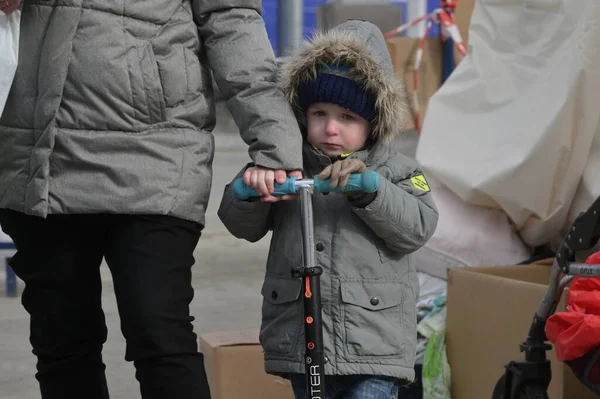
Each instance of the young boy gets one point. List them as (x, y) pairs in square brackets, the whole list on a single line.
[(349, 106)]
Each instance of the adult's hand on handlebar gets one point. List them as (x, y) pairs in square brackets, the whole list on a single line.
[(287, 197), (263, 180), (8, 6)]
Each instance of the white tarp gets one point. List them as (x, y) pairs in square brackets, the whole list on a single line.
[(468, 235), (513, 125)]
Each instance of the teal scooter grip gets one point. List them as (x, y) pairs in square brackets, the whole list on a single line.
[(243, 192), (367, 182)]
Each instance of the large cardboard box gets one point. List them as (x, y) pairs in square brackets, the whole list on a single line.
[(235, 368), (403, 51), (385, 16), (490, 310), (462, 17)]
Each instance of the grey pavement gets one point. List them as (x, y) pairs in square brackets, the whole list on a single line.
[(227, 279)]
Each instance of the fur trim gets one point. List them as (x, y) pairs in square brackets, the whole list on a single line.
[(340, 47)]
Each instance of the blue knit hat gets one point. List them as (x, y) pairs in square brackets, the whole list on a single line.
[(333, 85)]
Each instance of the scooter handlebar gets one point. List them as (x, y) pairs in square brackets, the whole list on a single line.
[(367, 182)]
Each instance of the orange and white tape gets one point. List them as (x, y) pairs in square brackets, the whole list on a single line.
[(443, 16)]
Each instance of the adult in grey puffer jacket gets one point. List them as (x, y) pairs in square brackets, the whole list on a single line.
[(364, 242), (106, 151)]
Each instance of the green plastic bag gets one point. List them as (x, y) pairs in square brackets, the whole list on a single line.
[(436, 370)]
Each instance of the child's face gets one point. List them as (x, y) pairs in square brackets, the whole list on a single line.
[(336, 130)]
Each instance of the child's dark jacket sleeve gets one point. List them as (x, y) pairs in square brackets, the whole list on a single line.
[(403, 213), (250, 220)]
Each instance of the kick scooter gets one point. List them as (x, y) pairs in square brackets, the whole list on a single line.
[(313, 328)]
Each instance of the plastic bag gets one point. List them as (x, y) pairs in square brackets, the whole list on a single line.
[(436, 374), (9, 52), (436, 370)]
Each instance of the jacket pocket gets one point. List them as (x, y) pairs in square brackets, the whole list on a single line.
[(281, 314), (146, 88), (372, 318)]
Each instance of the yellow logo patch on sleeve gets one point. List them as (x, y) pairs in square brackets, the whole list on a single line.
[(420, 183)]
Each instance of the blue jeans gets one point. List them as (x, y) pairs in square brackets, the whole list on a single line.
[(350, 387)]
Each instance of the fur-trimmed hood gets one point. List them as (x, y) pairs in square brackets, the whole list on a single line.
[(360, 46)]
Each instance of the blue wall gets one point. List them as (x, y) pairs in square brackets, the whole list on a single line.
[(269, 10), (310, 16), (270, 17)]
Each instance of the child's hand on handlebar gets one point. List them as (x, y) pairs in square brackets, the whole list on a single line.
[(263, 180), (340, 171)]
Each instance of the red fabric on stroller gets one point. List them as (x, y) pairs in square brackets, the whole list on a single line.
[(576, 331)]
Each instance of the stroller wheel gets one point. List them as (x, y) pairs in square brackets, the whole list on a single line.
[(532, 392), (499, 388)]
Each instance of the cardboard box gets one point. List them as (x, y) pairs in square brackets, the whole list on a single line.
[(402, 51), (462, 17), (490, 310), (235, 367), (385, 16)]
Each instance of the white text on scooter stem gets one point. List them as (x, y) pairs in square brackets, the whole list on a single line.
[(315, 381)]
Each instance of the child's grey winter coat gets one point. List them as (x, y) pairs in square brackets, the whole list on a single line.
[(370, 287)]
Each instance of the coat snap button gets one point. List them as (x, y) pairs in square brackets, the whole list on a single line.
[(320, 247), (274, 295), (374, 301)]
